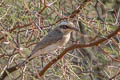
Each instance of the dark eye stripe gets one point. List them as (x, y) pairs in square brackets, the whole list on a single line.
[(64, 26)]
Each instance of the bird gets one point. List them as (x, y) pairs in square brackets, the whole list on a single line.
[(57, 38)]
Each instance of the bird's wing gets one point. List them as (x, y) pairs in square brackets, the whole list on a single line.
[(51, 38)]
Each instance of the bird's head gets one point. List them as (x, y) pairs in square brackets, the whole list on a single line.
[(67, 27)]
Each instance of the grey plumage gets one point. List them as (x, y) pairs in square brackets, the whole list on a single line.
[(53, 37)]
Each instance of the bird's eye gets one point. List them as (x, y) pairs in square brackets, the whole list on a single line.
[(64, 27)]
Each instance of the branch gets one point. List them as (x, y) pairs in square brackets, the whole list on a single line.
[(99, 16), (15, 27), (118, 73), (75, 46), (74, 13)]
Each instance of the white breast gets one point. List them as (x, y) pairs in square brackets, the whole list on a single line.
[(66, 39)]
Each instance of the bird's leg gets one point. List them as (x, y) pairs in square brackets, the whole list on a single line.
[(42, 59)]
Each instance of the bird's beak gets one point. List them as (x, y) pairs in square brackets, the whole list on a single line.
[(75, 29)]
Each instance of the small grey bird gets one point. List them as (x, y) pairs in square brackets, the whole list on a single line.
[(55, 39)]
